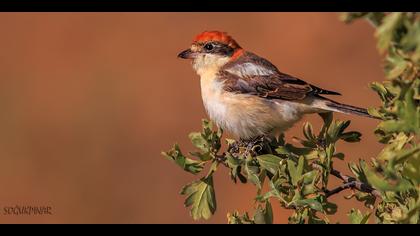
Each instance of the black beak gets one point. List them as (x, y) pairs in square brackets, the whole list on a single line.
[(187, 54)]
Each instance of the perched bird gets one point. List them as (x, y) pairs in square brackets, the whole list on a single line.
[(247, 95)]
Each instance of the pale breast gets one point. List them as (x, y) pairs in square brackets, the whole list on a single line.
[(246, 116)]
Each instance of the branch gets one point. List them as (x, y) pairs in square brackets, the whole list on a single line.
[(329, 193), (349, 182)]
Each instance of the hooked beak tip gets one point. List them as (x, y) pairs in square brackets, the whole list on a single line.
[(186, 54)]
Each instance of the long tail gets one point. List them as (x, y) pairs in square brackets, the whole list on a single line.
[(331, 105)]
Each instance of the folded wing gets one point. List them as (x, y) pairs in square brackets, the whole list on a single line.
[(251, 74)]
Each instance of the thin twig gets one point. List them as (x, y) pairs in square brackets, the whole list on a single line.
[(221, 159), (340, 188), (350, 182)]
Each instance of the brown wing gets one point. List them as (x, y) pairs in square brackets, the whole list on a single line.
[(254, 75)]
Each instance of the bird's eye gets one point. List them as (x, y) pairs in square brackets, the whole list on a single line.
[(209, 47)]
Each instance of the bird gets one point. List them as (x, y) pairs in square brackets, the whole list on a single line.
[(247, 95)]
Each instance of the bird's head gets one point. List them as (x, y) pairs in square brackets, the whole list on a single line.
[(211, 50)]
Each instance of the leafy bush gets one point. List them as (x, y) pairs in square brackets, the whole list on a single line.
[(297, 176)]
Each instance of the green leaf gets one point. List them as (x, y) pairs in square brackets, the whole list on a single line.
[(395, 145), (269, 162), (375, 112), (349, 17), (351, 137), (411, 41), (312, 203), (212, 168), (269, 217), (309, 177), (329, 207), (409, 116), (252, 174), (329, 151), (367, 199), (259, 216), (358, 171), (199, 141), (412, 167), (336, 129), (209, 140), (380, 89), (289, 150), (206, 156), (406, 154), (308, 131), (398, 69), (207, 126), (382, 184), (264, 216), (189, 165), (235, 165), (356, 217), (296, 171), (385, 32), (339, 155), (236, 218), (233, 161), (201, 197), (327, 118)]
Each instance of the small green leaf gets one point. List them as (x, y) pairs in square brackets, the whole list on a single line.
[(358, 171), (189, 165), (296, 171), (312, 203), (336, 129), (268, 213), (207, 125), (235, 218), (375, 112), (264, 216), (329, 151), (367, 199), (206, 156), (308, 131), (349, 17), (199, 141), (356, 217), (398, 69), (351, 137), (412, 167), (201, 198), (327, 118), (213, 168), (269, 162), (381, 184), (381, 90), (385, 32), (339, 155), (252, 174)]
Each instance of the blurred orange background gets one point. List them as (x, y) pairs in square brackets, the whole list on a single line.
[(89, 100)]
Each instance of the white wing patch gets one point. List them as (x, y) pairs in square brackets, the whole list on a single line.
[(249, 69)]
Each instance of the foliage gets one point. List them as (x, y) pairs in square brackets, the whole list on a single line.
[(297, 176)]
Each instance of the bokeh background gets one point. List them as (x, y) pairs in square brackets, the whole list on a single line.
[(89, 100)]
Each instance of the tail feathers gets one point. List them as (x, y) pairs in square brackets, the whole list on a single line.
[(331, 105)]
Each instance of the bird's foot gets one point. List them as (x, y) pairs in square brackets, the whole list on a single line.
[(253, 146)]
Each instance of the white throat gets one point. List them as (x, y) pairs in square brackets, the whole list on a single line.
[(209, 63)]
